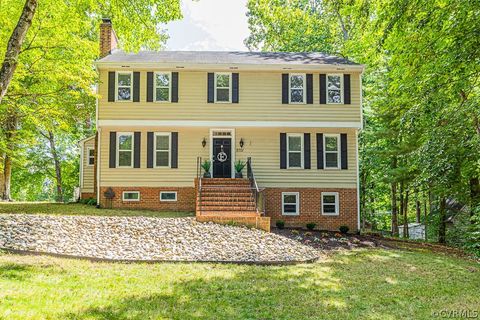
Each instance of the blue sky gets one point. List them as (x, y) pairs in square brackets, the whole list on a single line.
[(209, 25)]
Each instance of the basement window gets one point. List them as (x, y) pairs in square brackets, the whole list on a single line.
[(290, 203), (131, 196), (330, 205), (168, 196)]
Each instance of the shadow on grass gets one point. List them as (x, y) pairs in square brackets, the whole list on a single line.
[(17, 272)]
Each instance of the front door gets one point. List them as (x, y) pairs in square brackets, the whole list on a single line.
[(222, 157)]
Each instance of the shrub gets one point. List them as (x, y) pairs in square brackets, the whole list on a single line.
[(344, 229), (92, 202), (311, 226), (280, 224)]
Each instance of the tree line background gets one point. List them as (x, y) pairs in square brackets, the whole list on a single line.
[(419, 149)]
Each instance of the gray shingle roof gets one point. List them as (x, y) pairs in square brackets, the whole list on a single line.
[(225, 57)]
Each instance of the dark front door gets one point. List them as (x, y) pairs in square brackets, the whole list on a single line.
[(222, 157)]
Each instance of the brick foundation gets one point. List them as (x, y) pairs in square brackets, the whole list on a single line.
[(150, 198), (310, 208), (87, 195)]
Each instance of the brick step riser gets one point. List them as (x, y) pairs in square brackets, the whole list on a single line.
[(227, 200), (228, 208), (226, 195)]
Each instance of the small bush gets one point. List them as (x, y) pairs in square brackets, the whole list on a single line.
[(344, 229), (280, 224), (311, 226)]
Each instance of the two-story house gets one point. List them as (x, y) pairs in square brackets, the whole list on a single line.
[(294, 117)]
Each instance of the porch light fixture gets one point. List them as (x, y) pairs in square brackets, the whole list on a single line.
[(204, 142), (241, 142)]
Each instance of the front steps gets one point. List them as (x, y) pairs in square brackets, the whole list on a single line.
[(229, 201)]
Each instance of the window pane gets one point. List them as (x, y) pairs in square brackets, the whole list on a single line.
[(131, 196), (296, 95), (91, 152), (223, 94), (289, 208), (331, 160), (294, 159), (294, 143), (125, 142), (290, 198), (163, 142), (162, 159), (91, 160), (162, 94), (329, 199), (223, 80), (329, 208), (333, 82), (125, 158), (123, 94), (124, 80), (331, 144), (296, 81), (168, 196), (162, 80), (334, 96)]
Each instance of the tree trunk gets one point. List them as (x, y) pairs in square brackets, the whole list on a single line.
[(425, 212), (394, 203), (402, 203), (474, 196), (14, 45), (7, 178), (405, 216), (418, 210), (10, 128), (58, 171), (442, 228)]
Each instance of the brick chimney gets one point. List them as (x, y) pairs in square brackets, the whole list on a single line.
[(108, 38)]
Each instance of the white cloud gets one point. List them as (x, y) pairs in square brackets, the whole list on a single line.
[(209, 25)]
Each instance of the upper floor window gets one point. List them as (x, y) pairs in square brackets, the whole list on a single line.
[(297, 89), (223, 87), (162, 149), (334, 88), (162, 86), (294, 150), (91, 156), (332, 151), (124, 86), (125, 149)]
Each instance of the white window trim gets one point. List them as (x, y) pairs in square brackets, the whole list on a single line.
[(169, 86), (229, 86), (131, 85), (304, 75), (172, 200), (118, 149), (297, 204), (130, 200), (169, 134), (88, 156), (301, 150), (325, 136), (341, 88), (337, 206)]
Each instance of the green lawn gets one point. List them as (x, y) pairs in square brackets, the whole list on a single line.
[(366, 284), (81, 209)]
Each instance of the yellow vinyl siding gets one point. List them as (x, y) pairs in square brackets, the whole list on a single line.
[(262, 144), (87, 170), (260, 95)]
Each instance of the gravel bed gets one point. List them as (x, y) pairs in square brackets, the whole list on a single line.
[(146, 238)]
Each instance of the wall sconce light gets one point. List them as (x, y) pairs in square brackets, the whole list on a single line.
[(204, 142), (241, 142)]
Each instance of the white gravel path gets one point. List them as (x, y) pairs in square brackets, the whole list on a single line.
[(145, 238)]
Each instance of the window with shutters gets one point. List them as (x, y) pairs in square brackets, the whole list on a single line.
[(125, 149), (334, 88), (91, 156), (124, 85), (296, 88), (168, 196), (290, 203), (131, 195), (162, 152), (223, 87), (330, 206), (331, 151), (163, 86), (294, 150)]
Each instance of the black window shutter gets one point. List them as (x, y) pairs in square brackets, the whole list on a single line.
[(306, 151), (111, 86), (235, 89), (343, 149), (174, 163), (136, 86), (319, 150), (112, 163), (149, 149), (210, 84), (149, 86), (323, 88), (283, 151), (285, 88), (174, 86), (136, 149), (346, 89), (310, 88)]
